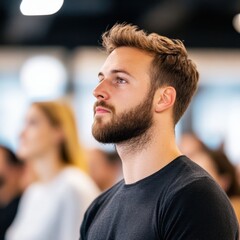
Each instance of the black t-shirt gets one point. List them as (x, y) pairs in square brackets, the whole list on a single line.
[(179, 202), (7, 215)]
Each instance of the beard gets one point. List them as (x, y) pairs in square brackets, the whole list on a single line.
[(129, 125)]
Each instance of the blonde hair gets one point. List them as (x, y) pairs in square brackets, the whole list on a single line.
[(170, 65), (61, 115)]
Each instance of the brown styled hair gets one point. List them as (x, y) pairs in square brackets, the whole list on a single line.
[(60, 115), (170, 66)]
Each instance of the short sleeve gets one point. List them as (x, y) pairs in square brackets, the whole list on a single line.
[(200, 210)]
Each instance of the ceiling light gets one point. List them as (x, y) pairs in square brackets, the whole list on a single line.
[(43, 77), (40, 7), (236, 22)]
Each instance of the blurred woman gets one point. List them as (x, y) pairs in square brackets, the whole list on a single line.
[(52, 208), (216, 163)]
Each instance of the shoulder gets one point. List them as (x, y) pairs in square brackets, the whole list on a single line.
[(73, 179), (199, 189), (195, 206), (190, 182), (183, 173), (76, 187), (32, 194)]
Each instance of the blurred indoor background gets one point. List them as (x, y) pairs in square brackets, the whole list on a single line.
[(48, 57)]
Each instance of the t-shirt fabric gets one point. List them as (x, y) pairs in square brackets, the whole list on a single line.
[(179, 202)]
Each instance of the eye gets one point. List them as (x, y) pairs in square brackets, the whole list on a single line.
[(32, 122), (121, 81)]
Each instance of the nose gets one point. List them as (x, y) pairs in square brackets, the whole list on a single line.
[(101, 91)]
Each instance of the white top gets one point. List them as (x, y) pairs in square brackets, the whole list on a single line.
[(54, 210)]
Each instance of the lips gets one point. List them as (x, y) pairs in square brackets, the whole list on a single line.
[(101, 110)]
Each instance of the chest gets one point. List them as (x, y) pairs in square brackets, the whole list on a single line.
[(126, 216)]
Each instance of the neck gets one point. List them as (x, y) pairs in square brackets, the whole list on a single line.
[(47, 166), (143, 157)]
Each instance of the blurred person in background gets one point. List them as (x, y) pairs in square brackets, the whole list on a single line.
[(11, 187), (238, 173), (189, 143), (217, 164), (53, 207), (104, 167)]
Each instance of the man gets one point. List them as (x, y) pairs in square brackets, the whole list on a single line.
[(11, 173), (145, 85)]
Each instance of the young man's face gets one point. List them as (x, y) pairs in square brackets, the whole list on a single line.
[(123, 109)]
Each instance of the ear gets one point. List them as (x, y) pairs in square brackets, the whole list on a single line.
[(165, 98)]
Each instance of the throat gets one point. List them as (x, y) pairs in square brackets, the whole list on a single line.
[(144, 156), (134, 145)]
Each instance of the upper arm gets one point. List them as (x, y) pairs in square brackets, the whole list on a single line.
[(199, 211)]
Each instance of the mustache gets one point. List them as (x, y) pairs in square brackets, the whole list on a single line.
[(103, 104)]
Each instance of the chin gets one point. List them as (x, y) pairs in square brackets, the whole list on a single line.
[(102, 119), (23, 154)]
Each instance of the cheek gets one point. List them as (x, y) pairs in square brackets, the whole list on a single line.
[(35, 141), (125, 101), (37, 136)]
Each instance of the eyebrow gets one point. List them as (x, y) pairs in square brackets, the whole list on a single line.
[(114, 71)]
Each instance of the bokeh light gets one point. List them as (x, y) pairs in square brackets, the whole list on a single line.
[(40, 7), (43, 77)]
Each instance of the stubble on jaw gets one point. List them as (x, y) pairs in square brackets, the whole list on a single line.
[(132, 127)]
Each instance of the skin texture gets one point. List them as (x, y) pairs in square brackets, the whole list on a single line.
[(124, 82)]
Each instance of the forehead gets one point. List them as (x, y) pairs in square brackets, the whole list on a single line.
[(131, 59), (34, 110)]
